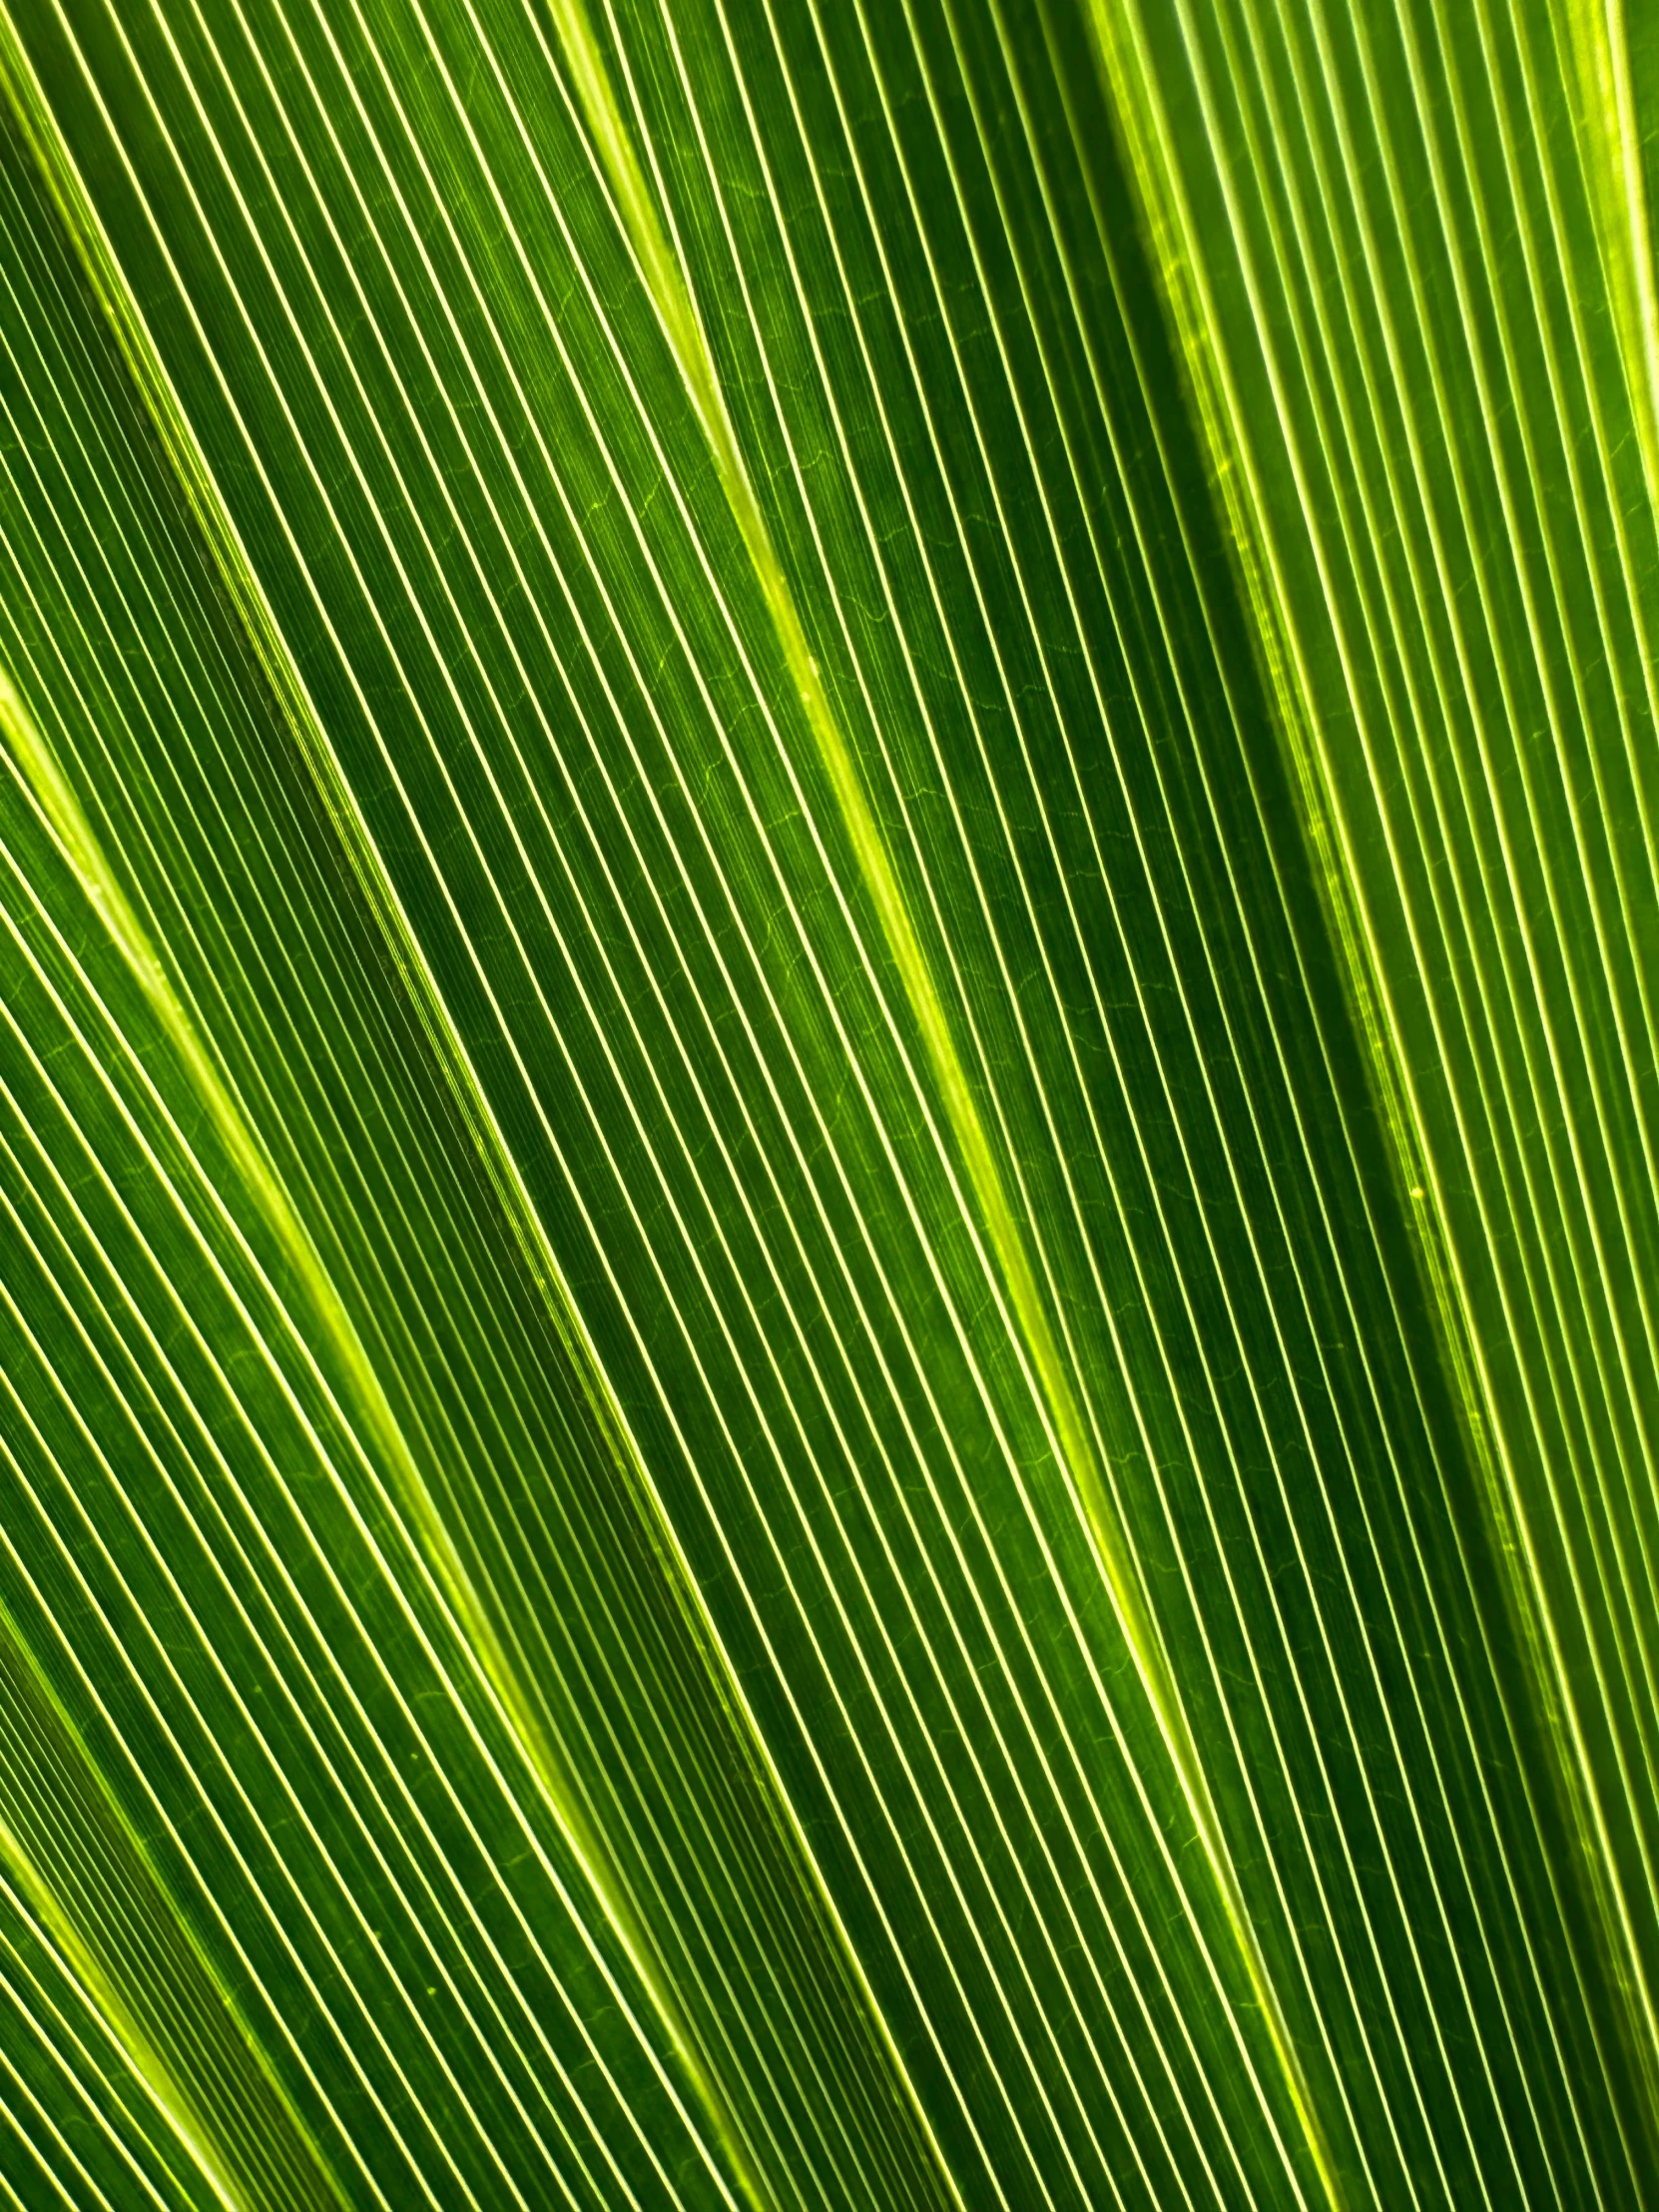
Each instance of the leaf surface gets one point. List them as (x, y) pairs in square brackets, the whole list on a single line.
[(763, 1481)]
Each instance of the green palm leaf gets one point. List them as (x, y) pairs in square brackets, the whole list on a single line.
[(826, 1106)]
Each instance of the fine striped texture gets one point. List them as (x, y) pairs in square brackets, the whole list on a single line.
[(1427, 358), (826, 1316)]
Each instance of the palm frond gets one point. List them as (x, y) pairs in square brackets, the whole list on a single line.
[(826, 1108)]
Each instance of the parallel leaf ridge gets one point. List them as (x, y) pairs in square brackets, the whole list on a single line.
[(828, 902)]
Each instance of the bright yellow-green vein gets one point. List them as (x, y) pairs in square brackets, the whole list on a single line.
[(104, 1993), (178, 439), (264, 2160), (1598, 41), (682, 328), (1598, 50), (382, 1430)]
